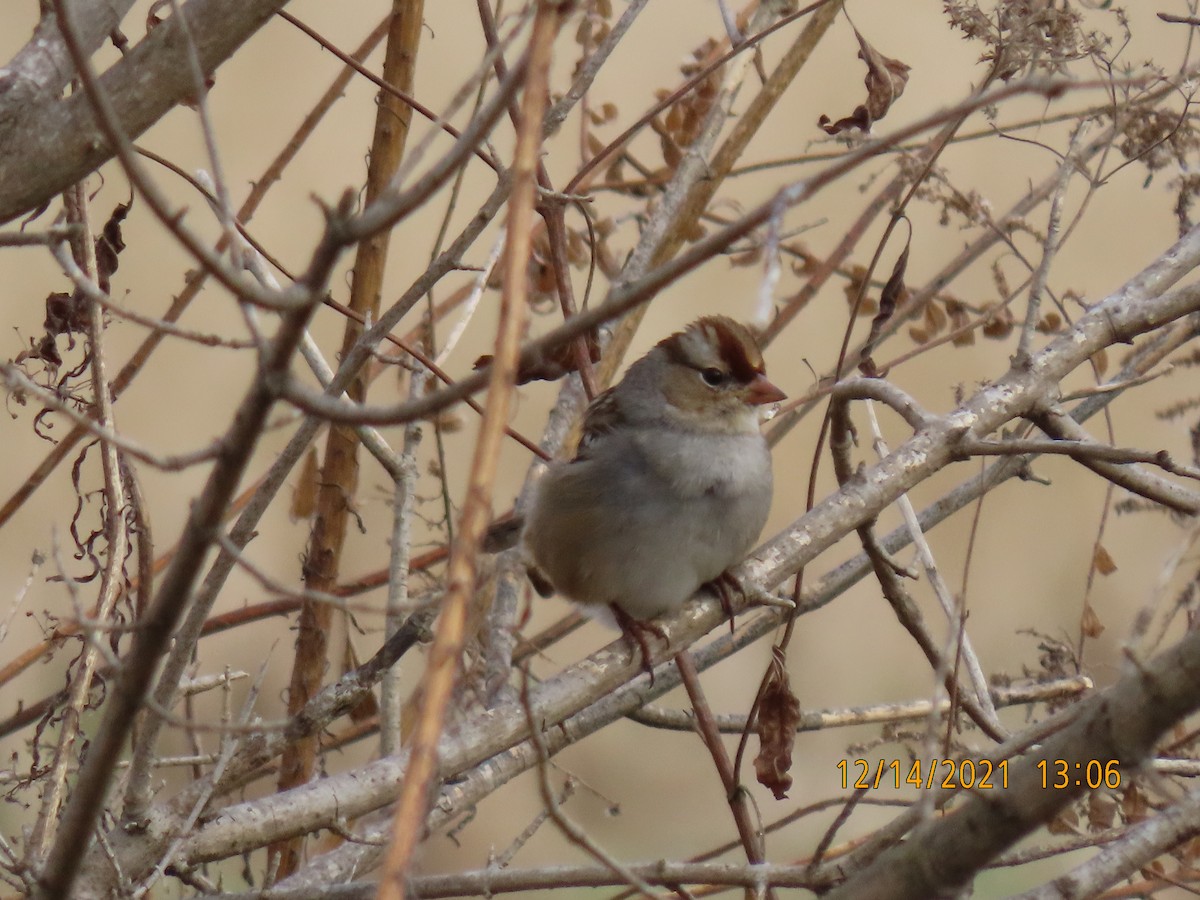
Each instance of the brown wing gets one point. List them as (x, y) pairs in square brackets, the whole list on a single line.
[(602, 416)]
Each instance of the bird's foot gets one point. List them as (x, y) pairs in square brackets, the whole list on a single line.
[(727, 587), (636, 631)]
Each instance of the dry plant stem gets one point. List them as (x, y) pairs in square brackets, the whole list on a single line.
[(737, 797), (936, 146), (156, 628), (115, 133), (389, 87), (551, 210), (1049, 246), (52, 235), (133, 682), (1133, 478), (609, 153), (245, 527), (223, 206), (404, 502), (195, 281), (116, 536), (627, 295), (444, 656), (510, 578), (793, 412), (950, 606), (487, 882), (340, 466), (573, 832), (16, 380), (1121, 724), (697, 178)]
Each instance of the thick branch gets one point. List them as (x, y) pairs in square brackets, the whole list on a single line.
[(57, 144)]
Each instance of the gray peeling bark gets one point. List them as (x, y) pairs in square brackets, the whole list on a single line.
[(58, 143)]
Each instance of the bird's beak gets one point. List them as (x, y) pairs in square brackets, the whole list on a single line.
[(762, 391)]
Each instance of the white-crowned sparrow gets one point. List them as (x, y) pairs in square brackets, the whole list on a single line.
[(672, 481)]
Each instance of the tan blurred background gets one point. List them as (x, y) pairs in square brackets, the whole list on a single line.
[(1034, 543)]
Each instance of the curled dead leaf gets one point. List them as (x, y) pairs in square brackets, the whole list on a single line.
[(886, 79), (893, 294), (778, 717)]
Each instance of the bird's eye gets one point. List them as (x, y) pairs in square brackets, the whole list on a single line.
[(713, 377)]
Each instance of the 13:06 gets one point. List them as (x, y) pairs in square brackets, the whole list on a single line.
[(1059, 774)]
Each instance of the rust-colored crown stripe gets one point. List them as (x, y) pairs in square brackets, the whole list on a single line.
[(735, 343)]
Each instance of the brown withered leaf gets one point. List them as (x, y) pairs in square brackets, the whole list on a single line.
[(1066, 822), (999, 323), (672, 154), (890, 297), (1049, 323), (1103, 562), (886, 79), (778, 716), (750, 257), (1133, 805), (1102, 811), (550, 366), (959, 318), (935, 317), (109, 245), (1090, 624), (1100, 361), (66, 313)]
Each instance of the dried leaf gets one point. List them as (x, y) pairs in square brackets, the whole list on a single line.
[(1090, 623), (889, 298), (693, 231), (749, 257), (109, 246), (959, 319), (1066, 822), (1102, 561), (886, 79), (1050, 323), (1102, 811), (1133, 805), (935, 317), (999, 323), (1100, 361), (672, 154), (966, 339), (551, 366), (778, 716)]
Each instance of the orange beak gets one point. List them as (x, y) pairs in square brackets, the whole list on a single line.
[(762, 391)]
